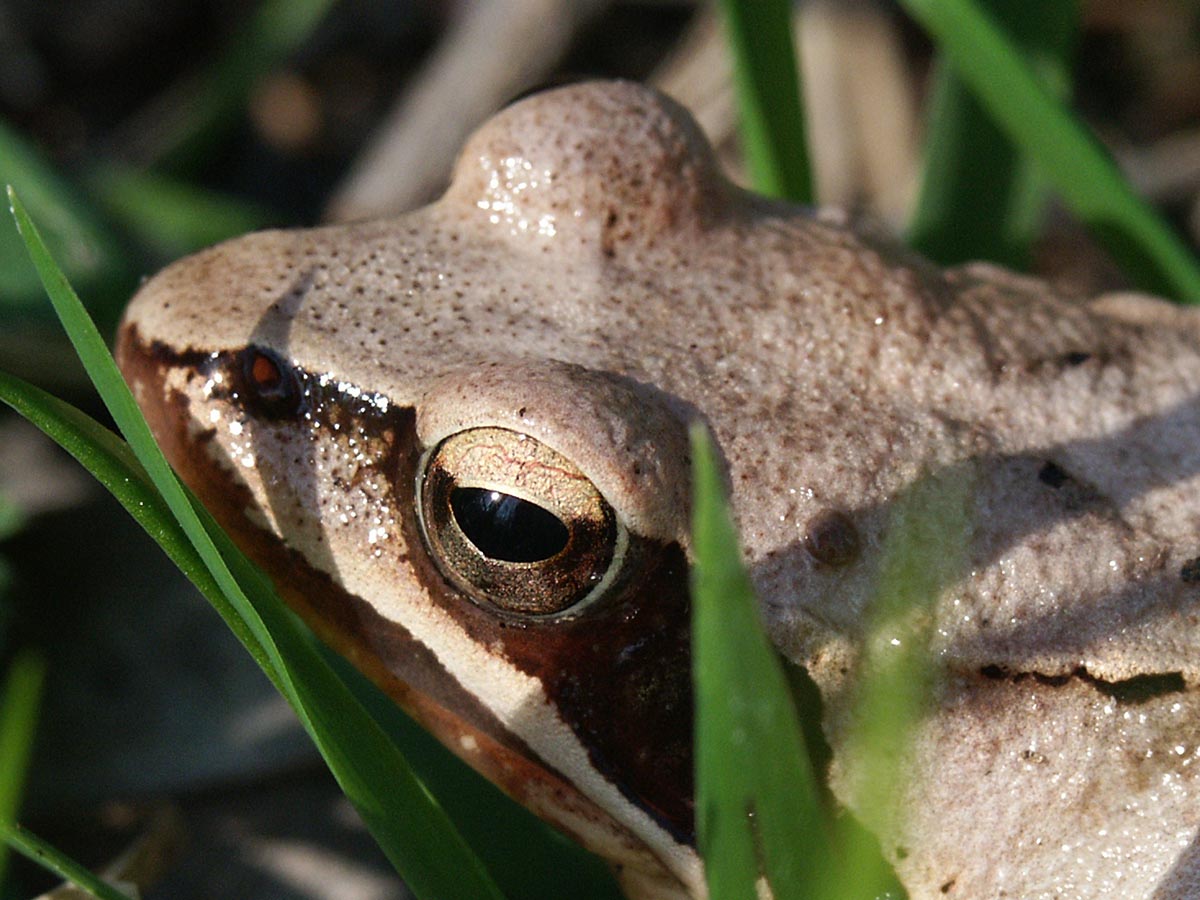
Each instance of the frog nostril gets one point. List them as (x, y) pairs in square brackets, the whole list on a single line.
[(270, 383), (506, 527)]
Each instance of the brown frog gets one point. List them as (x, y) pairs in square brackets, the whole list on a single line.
[(457, 440)]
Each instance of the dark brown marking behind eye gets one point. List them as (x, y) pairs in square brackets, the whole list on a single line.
[(831, 538), (618, 674)]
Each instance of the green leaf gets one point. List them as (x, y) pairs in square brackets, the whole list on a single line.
[(1067, 155), (408, 824), (981, 198), (38, 851), (768, 91), (20, 700), (757, 802)]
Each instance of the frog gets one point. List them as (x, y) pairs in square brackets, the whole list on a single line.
[(457, 440)]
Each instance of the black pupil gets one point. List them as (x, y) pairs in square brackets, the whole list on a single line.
[(507, 528)]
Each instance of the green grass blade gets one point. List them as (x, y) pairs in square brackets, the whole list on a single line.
[(756, 794), (38, 851), (409, 826), (12, 517), (1073, 162), (170, 216), (72, 231), (981, 198), (20, 700), (112, 463), (121, 405), (923, 556), (768, 91)]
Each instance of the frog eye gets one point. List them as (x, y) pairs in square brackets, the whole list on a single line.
[(514, 524), (270, 383)]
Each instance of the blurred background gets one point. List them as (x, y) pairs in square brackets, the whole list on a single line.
[(139, 130)]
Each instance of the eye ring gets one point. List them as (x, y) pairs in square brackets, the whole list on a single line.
[(515, 525), (270, 383)]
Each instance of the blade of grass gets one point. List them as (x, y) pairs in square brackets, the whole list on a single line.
[(980, 196), (757, 805), (1090, 183), (121, 405), (12, 518), (20, 700), (168, 215), (72, 230), (768, 91), (38, 851), (112, 463), (424, 846), (923, 555)]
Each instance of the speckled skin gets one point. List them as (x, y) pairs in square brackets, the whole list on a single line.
[(590, 279)]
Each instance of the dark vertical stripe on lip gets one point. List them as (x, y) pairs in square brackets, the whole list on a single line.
[(622, 680)]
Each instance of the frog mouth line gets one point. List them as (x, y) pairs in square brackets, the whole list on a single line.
[(1131, 691)]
